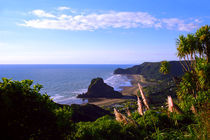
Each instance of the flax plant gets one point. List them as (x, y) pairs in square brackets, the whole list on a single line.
[(143, 97), (120, 117), (140, 108), (193, 109), (170, 104), (128, 112)]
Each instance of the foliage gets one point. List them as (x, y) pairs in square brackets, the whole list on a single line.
[(194, 88), (164, 68), (163, 125), (194, 45), (65, 126), (26, 114), (203, 39), (106, 128), (152, 119)]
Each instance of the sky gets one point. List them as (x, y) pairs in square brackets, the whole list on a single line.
[(96, 31)]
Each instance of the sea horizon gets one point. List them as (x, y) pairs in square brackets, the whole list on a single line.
[(76, 64)]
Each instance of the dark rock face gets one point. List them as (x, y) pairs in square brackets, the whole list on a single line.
[(87, 112), (99, 89)]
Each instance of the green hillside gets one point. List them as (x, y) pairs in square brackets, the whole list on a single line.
[(151, 70)]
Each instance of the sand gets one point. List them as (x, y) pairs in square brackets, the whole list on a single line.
[(128, 91)]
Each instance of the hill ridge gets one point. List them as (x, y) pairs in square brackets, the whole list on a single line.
[(150, 70)]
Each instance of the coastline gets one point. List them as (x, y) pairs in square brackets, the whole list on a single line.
[(126, 91)]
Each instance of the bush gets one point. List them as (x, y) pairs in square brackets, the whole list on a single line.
[(26, 114), (106, 128)]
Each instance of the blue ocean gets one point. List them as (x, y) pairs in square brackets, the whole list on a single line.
[(64, 82)]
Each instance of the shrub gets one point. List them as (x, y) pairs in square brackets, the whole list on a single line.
[(107, 128), (26, 114)]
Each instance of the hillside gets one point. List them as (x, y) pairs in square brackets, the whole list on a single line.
[(150, 70)]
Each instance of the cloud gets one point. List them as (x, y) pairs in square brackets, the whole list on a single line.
[(63, 8), (41, 13), (95, 21), (111, 19), (179, 24)]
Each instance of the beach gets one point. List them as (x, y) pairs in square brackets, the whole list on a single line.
[(126, 91)]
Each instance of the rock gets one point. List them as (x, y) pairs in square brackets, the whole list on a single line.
[(87, 112), (99, 89)]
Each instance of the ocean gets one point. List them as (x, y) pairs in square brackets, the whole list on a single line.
[(64, 82)]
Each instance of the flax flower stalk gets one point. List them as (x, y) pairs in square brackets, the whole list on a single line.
[(122, 118), (128, 112), (143, 97), (193, 109), (140, 108), (170, 104), (119, 117)]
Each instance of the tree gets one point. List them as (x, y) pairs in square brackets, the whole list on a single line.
[(164, 68), (194, 49), (203, 41), (192, 45)]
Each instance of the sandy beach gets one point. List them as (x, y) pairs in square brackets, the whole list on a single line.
[(127, 91)]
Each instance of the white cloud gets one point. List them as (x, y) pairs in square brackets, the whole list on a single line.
[(63, 8), (106, 20), (95, 21), (41, 13), (179, 24)]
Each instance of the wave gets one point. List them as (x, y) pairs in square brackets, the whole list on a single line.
[(56, 97), (80, 91), (118, 81)]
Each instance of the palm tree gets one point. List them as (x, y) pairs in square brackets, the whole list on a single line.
[(192, 48), (192, 45), (164, 68), (203, 38), (183, 51)]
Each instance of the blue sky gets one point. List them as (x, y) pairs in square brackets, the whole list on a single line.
[(96, 31)]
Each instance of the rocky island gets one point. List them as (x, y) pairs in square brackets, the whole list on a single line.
[(99, 89)]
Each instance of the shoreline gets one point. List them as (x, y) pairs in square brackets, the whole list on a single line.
[(126, 91)]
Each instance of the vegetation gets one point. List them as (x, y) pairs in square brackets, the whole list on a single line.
[(164, 68), (26, 114), (158, 92), (151, 70)]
